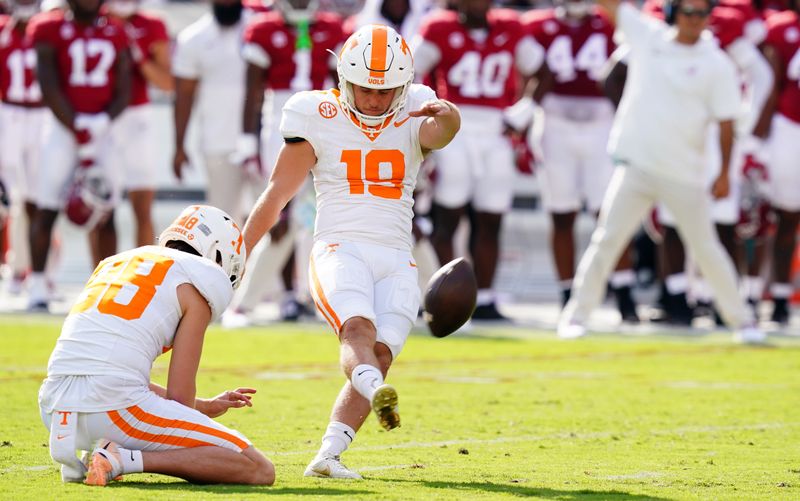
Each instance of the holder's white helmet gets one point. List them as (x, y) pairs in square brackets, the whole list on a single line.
[(376, 57), (213, 234)]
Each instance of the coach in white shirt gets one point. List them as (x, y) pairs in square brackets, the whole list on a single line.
[(679, 82), (209, 76)]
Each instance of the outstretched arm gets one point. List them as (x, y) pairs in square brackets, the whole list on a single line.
[(440, 127)]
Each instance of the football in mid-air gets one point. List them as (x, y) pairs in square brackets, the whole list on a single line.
[(450, 297)]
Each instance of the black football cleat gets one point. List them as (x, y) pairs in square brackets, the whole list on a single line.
[(626, 305), (780, 311), (488, 312)]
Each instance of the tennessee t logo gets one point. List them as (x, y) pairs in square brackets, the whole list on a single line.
[(64, 417)]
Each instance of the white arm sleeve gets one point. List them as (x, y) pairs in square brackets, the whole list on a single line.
[(725, 99), (185, 60), (633, 27), (529, 55), (758, 77), (426, 56), (255, 54)]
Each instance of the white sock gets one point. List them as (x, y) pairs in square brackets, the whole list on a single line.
[(753, 287), (565, 284), (781, 290), (677, 283), (485, 297), (337, 439), (131, 460), (622, 278), (37, 287), (365, 379)]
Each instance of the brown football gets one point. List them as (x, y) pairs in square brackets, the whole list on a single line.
[(450, 297)]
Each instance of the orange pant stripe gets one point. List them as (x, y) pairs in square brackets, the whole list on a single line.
[(336, 323), (148, 418), (151, 437)]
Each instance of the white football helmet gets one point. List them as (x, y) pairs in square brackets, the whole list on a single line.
[(90, 200), (376, 57), (576, 9), (23, 10), (123, 8), (213, 234), (297, 11)]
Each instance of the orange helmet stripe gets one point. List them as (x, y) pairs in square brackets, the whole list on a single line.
[(378, 59)]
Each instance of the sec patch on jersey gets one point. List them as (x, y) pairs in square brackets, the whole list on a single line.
[(450, 297)]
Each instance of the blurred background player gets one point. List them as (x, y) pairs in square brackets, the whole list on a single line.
[(727, 26), (782, 48), (287, 50), (21, 116), (404, 16), (84, 70), (98, 392), (209, 76), (660, 147), (134, 131), (364, 279), (475, 56), (571, 138)]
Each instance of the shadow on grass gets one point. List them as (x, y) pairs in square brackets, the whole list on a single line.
[(530, 491), (241, 489)]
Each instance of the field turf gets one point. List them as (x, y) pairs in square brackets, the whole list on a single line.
[(499, 414)]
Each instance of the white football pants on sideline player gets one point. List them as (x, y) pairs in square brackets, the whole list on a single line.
[(631, 194)]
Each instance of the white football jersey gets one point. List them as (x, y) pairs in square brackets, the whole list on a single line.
[(364, 183), (123, 320)]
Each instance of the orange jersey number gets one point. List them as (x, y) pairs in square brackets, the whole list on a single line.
[(369, 170), (138, 276)]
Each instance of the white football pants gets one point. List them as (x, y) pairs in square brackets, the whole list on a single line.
[(631, 194)]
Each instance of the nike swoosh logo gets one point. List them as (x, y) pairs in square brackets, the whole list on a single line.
[(412, 264), (131, 455), (61, 437), (362, 372), (348, 435), (401, 122)]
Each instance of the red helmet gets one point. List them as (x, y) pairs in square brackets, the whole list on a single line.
[(90, 199)]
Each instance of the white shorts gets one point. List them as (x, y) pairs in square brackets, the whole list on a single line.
[(134, 142), (20, 144), (783, 147), (58, 160), (576, 167), (355, 279), (155, 424), (477, 166)]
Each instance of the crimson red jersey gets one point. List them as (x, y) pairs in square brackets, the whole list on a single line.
[(575, 53), (783, 34), (85, 56), (744, 7), (144, 29), (726, 23), (472, 70), (287, 71), (18, 84)]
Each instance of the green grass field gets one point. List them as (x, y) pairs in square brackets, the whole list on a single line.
[(500, 414)]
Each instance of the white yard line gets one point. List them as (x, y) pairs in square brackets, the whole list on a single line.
[(500, 440), (540, 438)]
